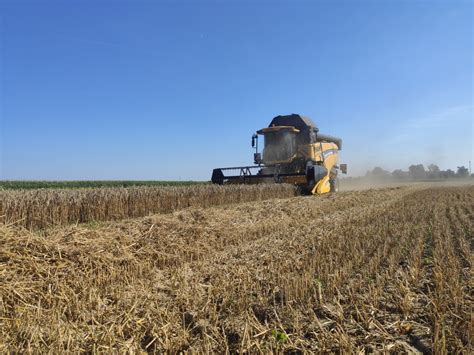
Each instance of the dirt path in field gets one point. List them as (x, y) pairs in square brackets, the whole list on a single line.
[(385, 269)]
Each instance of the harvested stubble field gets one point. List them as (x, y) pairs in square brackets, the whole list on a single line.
[(387, 269)]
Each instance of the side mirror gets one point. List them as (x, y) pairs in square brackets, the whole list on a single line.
[(343, 168), (254, 138)]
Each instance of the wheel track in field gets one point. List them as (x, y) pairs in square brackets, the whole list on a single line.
[(220, 229)]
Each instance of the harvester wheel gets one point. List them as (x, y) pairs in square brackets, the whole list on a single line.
[(334, 183), (302, 190)]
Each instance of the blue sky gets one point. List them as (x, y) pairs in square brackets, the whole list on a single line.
[(170, 90)]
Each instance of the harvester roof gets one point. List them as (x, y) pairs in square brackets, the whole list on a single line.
[(304, 124), (298, 121)]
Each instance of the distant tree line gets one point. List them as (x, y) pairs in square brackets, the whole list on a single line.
[(418, 172)]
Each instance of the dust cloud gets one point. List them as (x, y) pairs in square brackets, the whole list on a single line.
[(366, 183)]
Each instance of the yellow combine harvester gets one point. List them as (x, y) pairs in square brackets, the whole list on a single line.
[(294, 152)]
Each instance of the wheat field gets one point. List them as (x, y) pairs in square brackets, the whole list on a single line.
[(385, 270), (41, 208)]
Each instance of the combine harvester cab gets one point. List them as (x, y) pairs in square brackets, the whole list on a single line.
[(294, 152)]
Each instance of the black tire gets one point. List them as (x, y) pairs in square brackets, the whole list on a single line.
[(334, 183), (303, 190)]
